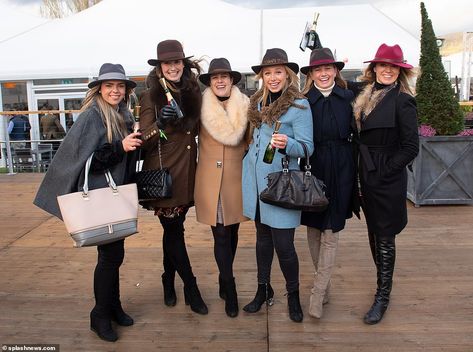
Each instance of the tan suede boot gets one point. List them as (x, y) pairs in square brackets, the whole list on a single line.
[(326, 262)]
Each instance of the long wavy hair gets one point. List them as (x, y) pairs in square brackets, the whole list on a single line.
[(405, 76), (291, 81), (113, 120), (309, 82)]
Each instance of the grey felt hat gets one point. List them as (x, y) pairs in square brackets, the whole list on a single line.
[(111, 72)]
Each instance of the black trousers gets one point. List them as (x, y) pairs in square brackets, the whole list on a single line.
[(225, 246), (107, 277), (269, 239), (175, 257)]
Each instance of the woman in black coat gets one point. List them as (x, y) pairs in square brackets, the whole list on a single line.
[(386, 121), (332, 162)]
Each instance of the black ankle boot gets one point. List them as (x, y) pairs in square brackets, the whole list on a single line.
[(102, 327), (169, 290), (221, 288), (193, 298), (294, 305), (264, 293), (231, 298), (120, 317), (385, 255)]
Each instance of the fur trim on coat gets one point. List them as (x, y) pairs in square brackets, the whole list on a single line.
[(271, 113), (226, 126)]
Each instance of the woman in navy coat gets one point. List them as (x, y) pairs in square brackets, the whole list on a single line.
[(332, 162)]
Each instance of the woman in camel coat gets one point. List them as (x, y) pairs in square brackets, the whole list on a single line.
[(218, 194)]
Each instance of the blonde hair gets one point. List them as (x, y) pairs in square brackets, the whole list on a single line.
[(405, 75), (309, 82), (291, 81), (113, 120)]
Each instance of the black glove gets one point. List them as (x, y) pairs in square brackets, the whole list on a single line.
[(166, 114)]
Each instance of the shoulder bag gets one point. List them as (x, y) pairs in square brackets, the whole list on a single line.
[(295, 189), (102, 215)]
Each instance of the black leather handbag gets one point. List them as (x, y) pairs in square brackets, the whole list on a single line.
[(295, 189), (154, 184)]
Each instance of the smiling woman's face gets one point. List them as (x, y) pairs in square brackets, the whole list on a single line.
[(221, 84), (274, 77), (113, 92), (323, 75)]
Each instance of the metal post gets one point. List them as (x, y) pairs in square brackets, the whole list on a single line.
[(8, 145)]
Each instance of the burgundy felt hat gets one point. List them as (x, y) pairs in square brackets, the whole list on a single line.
[(274, 57), (220, 65), (391, 55), (322, 56), (168, 50)]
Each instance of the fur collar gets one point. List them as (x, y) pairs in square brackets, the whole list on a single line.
[(367, 101), (226, 126), (271, 113)]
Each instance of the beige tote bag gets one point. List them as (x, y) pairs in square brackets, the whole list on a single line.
[(102, 215)]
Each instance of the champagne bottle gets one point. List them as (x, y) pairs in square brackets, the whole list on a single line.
[(171, 100), (313, 41), (136, 115), (270, 150)]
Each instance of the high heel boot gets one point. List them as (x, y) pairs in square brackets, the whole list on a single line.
[(385, 255), (120, 317), (264, 293), (193, 298), (170, 298), (102, 326), (294, 306), (231, 298), (221, 288)]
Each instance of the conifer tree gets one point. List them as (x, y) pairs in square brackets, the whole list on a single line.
[(436, 102)]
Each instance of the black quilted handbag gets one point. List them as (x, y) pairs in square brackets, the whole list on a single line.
[(154, 184), (295, 189)]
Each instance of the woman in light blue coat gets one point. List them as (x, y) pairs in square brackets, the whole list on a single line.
[(278, 99)]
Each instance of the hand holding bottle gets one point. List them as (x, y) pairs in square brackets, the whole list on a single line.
[(279, 141), (166, 114), (132, 141)]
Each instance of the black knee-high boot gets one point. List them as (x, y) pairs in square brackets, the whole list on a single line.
[(386, 257), (223, 253)]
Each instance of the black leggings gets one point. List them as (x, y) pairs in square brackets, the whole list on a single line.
[(269, 239), (107, 277), (175, 257), (225, 245)]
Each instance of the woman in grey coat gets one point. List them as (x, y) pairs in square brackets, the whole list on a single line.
[(278, 99), (103, 128)]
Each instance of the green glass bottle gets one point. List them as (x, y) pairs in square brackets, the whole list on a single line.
[(270, 150)]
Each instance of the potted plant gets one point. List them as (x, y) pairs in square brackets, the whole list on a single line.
[(442, 173)]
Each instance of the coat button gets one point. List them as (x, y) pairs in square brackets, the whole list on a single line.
[(188, 147), (219, 164), (188, 132)]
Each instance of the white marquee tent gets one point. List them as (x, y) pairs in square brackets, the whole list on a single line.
[(126, 32)]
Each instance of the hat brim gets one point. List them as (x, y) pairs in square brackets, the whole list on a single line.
[(129, 83), (338, 64), (155, 62), (400, 64), (205, 77), (292, 65)]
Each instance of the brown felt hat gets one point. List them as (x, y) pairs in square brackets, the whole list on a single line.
[(168, 50), (273, 57), (220, 65), (322, 56)]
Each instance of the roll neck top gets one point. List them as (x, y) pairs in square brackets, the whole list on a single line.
[(325, 91), (272, 97)]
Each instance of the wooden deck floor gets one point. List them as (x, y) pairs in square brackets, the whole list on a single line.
[(46, 288)]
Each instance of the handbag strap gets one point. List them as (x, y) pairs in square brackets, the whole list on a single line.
[(108, 177), (307, 166), (159, 140)]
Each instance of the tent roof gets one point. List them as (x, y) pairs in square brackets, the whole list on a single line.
[(126, 32)]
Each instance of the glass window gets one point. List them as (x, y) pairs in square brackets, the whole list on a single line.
[(14, 96), (44, 82)]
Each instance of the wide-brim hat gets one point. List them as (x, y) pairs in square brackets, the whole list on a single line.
[(220, 65), (391, 55), (273, 57), (111, 72), (168, 50), (322, 56)]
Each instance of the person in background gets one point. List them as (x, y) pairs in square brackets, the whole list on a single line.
[(19, 130), (386, 124), (50, 126), (332, 162), (105, 123), (218, 193), (278, 99), (177, 151)]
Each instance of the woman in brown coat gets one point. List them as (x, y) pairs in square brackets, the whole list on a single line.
[(218, 199), (169, 141)]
